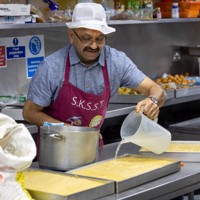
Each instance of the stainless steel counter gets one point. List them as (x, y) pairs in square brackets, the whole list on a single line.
[(183, 182), (186, 181), (32, 128), (119, 109), (174, 185), (115, 110)]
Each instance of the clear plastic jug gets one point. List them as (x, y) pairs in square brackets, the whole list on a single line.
[(144, 132)]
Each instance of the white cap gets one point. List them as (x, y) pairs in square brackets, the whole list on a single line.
[(90, 16)]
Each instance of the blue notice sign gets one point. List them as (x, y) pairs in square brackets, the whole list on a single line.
[(33, 64), (16, 52), (35, 45)]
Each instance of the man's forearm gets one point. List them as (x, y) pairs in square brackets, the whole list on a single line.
[(38, 118)]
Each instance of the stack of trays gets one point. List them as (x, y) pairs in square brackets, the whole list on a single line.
[(130, 170), (49, 185), (181, 150)]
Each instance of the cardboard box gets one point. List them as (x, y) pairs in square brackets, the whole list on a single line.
[(14, 9)]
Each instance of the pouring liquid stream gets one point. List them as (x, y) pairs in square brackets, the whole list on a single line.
[(118, 147), (124, 140)]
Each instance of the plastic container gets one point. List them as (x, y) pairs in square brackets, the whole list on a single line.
[(175, 11), (158, 13), (147, 13), (144, 132)]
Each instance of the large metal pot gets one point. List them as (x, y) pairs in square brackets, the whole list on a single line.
[(67, 147)]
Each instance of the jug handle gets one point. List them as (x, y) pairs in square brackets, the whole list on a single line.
[(141, 112)]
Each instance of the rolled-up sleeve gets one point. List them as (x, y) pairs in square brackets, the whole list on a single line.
[(122, 71)]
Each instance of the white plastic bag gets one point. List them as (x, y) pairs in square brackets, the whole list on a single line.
[(17, 151), (10, 189)]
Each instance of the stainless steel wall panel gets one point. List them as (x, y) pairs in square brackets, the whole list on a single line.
[(147, 44)]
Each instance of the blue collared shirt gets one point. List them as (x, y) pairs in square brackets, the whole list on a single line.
[(49, 77)]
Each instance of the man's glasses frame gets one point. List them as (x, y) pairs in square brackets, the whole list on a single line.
[(89, 41)]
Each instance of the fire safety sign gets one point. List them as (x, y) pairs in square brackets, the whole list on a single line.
[(2, 53)]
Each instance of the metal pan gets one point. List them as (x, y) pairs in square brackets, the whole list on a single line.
[(133, 180), (106, 188), (183, 92), (187, 151)]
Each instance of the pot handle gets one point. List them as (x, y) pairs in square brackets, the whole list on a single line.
[(56, 136)]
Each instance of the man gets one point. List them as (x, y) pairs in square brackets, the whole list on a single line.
[(74, 84)]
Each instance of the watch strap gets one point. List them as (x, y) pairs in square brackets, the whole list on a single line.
[(154, 99)]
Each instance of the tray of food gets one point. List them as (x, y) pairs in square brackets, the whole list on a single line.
[(129, 171), (49, 185), (187, 91), (170, 93), (182, 84), (179, 79), (129, 96), (126, 95), (180, 150), (129, 99)]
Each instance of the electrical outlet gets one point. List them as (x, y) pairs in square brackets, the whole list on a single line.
[(175, 54)]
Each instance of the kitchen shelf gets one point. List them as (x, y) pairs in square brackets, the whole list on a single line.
[(111, 22), (159, 21), (119, 109), (32, 25), (135, 98)]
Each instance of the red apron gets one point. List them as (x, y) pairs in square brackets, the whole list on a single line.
[(78, 108)]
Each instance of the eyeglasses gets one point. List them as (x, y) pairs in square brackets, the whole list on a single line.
[(88, 41)]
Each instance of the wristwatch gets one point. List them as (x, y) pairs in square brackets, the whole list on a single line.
[(153, 99)]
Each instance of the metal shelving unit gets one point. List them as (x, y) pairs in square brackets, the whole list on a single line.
[(111, 22)]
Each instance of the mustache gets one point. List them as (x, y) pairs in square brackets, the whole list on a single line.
[(91, 50)]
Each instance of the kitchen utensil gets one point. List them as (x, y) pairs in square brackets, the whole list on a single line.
[(140, 130), (67, 147)]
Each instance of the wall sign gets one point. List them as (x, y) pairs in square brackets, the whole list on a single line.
[(15, 48), (29, 48), (34, 53), (2, 53)]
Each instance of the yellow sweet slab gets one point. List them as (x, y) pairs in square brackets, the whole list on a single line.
[(57, 183), (122, 168), (181, 146), (184, 147)]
